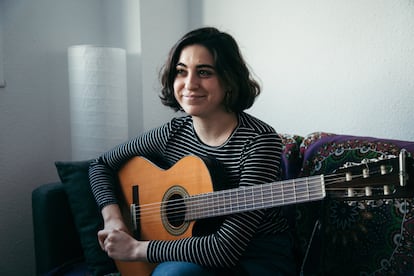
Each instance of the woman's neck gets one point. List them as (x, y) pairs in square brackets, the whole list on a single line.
[(215, 131)]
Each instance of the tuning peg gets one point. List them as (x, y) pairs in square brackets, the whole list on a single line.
[(383, 169), (368, 191), (348, 176), (351, 192), (402, 172), (387, 190), (365, 173)]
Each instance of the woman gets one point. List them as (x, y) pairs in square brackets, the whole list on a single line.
[(206, 77)]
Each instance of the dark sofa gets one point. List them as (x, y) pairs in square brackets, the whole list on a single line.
[(335, 237), (57, 244)]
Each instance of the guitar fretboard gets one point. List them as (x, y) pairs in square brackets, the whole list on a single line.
[(243, 199)]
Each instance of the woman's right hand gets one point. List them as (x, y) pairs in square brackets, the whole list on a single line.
[(116, 240), (113, 220)]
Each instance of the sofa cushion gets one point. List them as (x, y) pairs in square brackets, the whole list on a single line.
[(52, 216), (323, 152), (88, 220), (375, 238), (291, 159)]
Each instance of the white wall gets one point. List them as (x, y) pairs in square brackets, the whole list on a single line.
[(33, 111), (330, 65), (2, 83), (121, 24), (163, 22)]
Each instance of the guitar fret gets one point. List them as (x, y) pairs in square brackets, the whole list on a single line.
[(222, 203), (293, 194), (212, 211), (261, 196), (237, 202), (227, 199), (306, 190), (271, 194), (244, 198), (287, 188), (277, 194), (266, 190)]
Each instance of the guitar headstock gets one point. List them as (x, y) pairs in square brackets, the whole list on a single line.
[(387, 177)]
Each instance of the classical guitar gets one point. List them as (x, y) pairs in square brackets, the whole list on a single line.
[(164, 204)]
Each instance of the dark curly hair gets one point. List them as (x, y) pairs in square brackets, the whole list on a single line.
[(231, 68)]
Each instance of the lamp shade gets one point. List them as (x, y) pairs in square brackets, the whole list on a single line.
[(98, 99)]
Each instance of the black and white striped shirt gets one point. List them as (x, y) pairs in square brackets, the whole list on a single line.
[(250, 156)]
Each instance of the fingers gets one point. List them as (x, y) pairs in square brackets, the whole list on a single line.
[(102, 236), (106, 238)]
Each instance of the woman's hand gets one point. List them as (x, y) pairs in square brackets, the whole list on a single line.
[(116, 240), (119, 245), (113, 220)]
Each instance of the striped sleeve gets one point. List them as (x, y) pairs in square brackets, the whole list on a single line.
[(103, 170)]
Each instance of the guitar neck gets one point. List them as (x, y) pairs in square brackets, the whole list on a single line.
[(255, 197)]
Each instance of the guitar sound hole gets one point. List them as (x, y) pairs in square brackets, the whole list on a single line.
[(175, 210)]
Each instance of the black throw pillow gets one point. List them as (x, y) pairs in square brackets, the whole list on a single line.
[(88, 219)]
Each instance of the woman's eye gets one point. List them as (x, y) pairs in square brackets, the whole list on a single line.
[(205, 73), (180, 72)]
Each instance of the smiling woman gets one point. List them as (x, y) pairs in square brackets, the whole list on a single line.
[(205, 76)]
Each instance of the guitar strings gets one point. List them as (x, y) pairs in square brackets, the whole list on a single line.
[(205, 202), (300, 190)]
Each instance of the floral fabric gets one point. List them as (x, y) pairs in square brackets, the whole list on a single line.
[(291, 159), (361, 238)]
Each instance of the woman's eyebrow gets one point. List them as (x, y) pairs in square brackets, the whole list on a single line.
[(206, 66), (181, 64), (197, 66)]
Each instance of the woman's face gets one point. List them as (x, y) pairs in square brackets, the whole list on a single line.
[(197, 87)]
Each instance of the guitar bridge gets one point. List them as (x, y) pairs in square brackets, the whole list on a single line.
[(135, 211)]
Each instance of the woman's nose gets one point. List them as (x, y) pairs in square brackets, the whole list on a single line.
[(192, 81)]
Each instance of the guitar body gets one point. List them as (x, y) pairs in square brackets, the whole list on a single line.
[(189, 176)]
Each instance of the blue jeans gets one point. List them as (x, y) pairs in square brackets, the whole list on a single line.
[(265, 256), (180, 268)]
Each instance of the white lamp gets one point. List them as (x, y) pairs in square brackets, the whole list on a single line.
[(98, 99)]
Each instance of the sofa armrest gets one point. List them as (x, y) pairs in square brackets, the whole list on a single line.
[(56, 240)]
